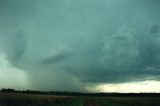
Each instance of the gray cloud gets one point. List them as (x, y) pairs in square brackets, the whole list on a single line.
[(82, 41), (155, 29)]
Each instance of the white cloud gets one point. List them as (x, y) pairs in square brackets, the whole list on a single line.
[(135, 87)]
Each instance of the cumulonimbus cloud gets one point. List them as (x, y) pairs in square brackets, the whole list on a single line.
[(91, 41)]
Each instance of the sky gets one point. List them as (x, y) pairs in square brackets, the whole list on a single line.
[(80, 45)]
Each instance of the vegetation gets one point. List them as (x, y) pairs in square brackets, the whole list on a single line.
[(11, 97)]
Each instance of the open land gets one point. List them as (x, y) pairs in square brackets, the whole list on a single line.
[(22, 99)]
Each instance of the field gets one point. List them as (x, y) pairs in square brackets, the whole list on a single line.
[(20, 99)]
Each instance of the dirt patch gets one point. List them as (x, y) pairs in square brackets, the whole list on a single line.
[(91, 102)]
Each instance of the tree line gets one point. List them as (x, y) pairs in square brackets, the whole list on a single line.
[(114, 94)]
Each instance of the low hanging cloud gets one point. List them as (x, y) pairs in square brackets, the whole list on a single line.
[(79, 42)]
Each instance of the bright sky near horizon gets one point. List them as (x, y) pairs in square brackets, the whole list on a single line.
[(80, 45)]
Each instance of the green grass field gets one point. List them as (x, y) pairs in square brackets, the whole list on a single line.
[(18, 99)]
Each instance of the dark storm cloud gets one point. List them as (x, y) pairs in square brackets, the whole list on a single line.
[(61, 57), (17, 45), (155, 29), (15, 12), (125, 56), (83, 41)]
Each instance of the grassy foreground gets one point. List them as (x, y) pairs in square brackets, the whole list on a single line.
[(20, 99)]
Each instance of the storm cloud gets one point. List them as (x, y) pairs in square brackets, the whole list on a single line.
[(66, 44)]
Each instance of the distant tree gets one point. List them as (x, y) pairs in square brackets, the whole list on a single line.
[(8, 90)]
